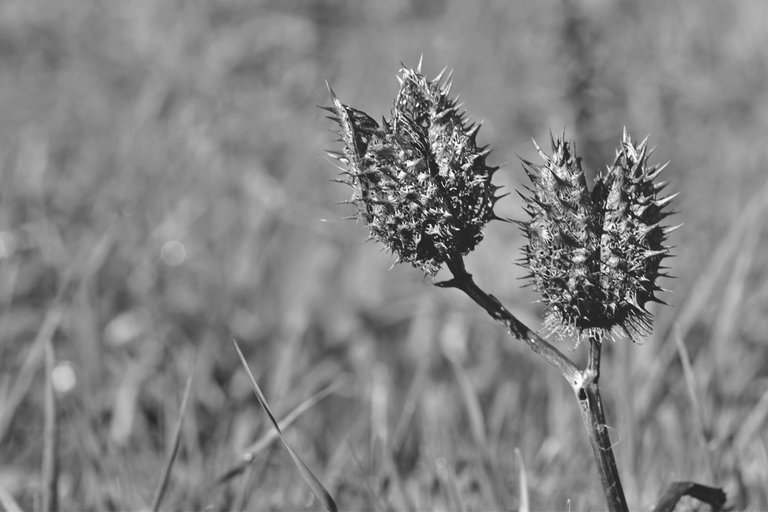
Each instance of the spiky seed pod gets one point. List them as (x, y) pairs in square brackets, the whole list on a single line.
[(633, 240), (420, 182), (594, 257), (563, 235)]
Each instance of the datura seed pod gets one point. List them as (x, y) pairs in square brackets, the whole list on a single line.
[(420, 181), (595, 256)]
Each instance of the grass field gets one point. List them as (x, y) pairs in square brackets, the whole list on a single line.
[(164, 189)]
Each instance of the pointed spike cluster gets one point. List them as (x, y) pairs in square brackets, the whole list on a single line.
[(420, 181), (594, 256)]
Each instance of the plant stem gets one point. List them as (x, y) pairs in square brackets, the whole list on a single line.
[(594, 420), (584, 383), (464, 282)]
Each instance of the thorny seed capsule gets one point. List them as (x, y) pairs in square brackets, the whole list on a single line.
[(420, 182), (595, 257)]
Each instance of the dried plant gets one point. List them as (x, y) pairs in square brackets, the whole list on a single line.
[(421, 185), (595, 256), (420, 182)]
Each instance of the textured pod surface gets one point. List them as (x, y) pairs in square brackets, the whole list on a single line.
[(420, 182), (633, 240), (595, 256)]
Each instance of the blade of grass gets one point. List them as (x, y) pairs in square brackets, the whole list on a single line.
[(702, 424), (449, 485), (245, 489), (764, 457), (292, 416), (320, 492), (379, 438), (731, 306), (407, 504), (8, 502), (176, 441), (48, 328), (692, 387), (381, 451), (698, 297), (522, 483), (29, 368), (50, 466), (410, 403), (376, 503), (422, 331), (271, 435), (478, 427), (752, 425), (471, 404)]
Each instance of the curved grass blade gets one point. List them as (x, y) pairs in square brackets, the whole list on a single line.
[(160, 493), (29, 368), (50, 469), (271, 435), (8, 502), (522, 483), (317, 488)]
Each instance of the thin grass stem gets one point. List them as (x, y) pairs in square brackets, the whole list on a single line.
[(50, 466), (522, 483), (176, 442)]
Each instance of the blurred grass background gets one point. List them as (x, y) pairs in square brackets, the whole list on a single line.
[(164, 188)]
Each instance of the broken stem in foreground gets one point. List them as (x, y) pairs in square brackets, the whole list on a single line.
[(584, 383)]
